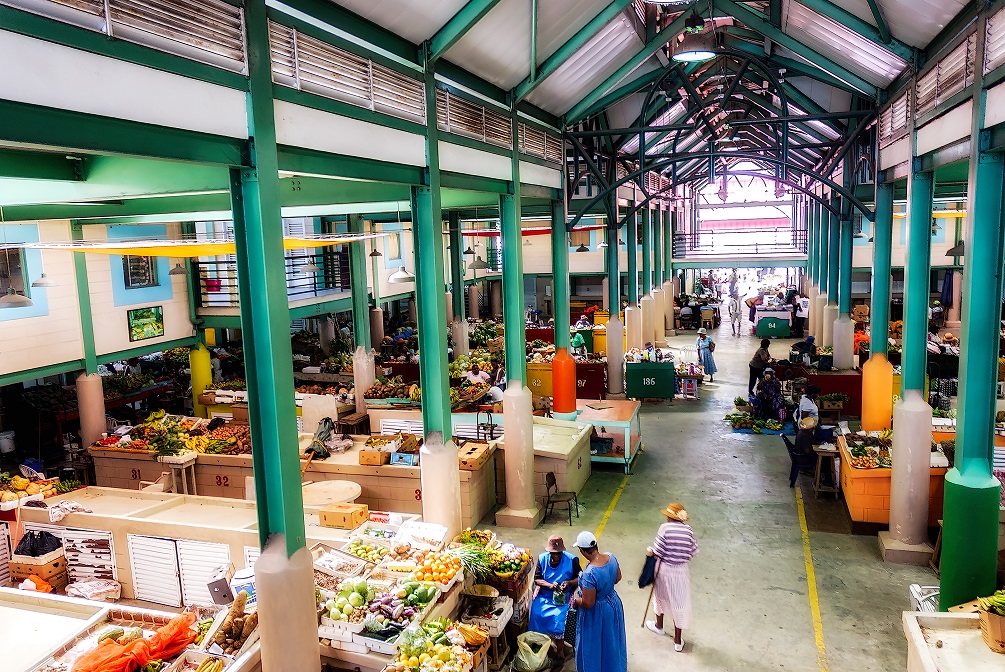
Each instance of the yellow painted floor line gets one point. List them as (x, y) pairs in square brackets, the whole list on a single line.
[(610, 508), (811, 584)]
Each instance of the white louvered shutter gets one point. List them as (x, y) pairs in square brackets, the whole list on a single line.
[(251, 554), (4, 554), (197, 562), (90, 554), (994, 46), (155, 570)]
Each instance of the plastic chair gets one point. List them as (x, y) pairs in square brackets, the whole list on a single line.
[(708, 318), (559, 497)]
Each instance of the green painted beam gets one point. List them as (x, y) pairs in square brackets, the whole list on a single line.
[(265, 310), (632, 243), (570, 47), (796, 67), (881, 25), (84, 304), (220, 321), (141, 350), (458, 25), (741, 262), (15, 377), (759, 22), (65, 129), (863, 29), (312, 162), (456, 265), (879, 319), (619, 93), (28, 165), (340, 305), (359, 282), (775, 13), (314, 101), (651, 47), (561, 291), (916, 279)]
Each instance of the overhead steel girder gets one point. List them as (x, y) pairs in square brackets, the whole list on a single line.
[(681, 158), (881, 25), (797, 67), (660, 40), (863, 29), (571, 46), (461, 22), (30, 165), (618, 94), (759, 22)]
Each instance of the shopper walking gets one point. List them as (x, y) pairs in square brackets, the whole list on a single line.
[(600, 629), (760, 361), (735, 315), (557, 575), (674, 547), (706, 346)]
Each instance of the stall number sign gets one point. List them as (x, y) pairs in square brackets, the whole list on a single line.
[(648, 381)]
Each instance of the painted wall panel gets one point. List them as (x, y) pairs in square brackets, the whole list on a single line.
[(33, 342), (62, 77), (994, 108), (467, 161), (301, 126), (895, 153), (946, 129), (532, 173)]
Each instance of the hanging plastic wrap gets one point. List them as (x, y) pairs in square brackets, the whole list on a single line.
[(363, 375)]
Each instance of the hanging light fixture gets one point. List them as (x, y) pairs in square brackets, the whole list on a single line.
[(44, 281), (478, 264), (469, 250), (698, 44), (177, 270), (956, 251), (307, 269), (582, 248), (401, 275), (14, 300), (602, 245), (621, 242), (526, 241), (374, 253), (859, 235)]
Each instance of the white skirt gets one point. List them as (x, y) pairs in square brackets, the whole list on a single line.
[(672, 594)]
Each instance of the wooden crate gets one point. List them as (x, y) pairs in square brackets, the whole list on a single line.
[(473, 455)]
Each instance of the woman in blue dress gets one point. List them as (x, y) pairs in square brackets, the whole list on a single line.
[(705, 347), (557, 576), (600, 625)]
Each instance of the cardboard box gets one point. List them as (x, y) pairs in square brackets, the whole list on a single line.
[(58, 581), (374, 458), (207, 398), (49, 569), (344, 516), (240, 412)]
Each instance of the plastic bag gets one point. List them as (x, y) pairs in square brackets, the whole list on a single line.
[(37, 543), (532, 652)]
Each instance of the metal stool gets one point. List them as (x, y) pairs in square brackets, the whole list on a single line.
[(485, 431)]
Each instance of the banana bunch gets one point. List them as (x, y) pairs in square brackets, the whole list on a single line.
[(415, 393), (198, 444), (994, 604), (886, 434), (211, 665), (473, 635)]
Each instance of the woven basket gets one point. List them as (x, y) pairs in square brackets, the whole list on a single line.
[(993, 631)]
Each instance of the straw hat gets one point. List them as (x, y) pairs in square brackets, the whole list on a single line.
[(555, 544), (808, 423), (703, 331), (676, 511)]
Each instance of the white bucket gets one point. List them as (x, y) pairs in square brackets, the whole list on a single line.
[(6, 442)]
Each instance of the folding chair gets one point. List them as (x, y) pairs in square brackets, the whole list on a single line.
[(558, 497)]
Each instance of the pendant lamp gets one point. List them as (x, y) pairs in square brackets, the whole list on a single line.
[(14, 300), (177, 270), (698, 44), (582, 248), (308, 268), (478, 264), (956, 251), (602, 245), (401, 275), (43, 281)]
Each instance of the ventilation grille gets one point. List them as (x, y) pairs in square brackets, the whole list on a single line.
[(462, 117), (305, 63), (994, 46), (951, 75), (207, 31), (540, 143), (895, 119)]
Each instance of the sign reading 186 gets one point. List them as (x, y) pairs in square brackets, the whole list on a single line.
[(649, 382)]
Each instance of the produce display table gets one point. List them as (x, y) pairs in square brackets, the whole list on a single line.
[(409, 371), (947, 643), (848, 382), (591, 380), (768, 327), (623, 417), (546, 334), (539, 379), (649, 380), (867, 491), (777, 313)]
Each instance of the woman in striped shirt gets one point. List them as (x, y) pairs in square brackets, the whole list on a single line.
[(674, 547)]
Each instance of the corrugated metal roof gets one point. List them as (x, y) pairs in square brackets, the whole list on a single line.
[(845, 47), (497, 48), (415, 20), (607, 51), (914, 22)]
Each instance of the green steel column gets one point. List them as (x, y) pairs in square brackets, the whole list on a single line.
[(811, 243), (456, 265), (971, 513), (834, 246), (657, 229), (512, 279), (84, 303), (914, 359), (265, 309), (844, 282), (431, 309), (632, 243), (668, 220), (647, 251), (359, 285), (824, 246), (560, 273), (613, 271), (879, 314)]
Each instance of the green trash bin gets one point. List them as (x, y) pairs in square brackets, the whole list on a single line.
[(649, 380), (773, 327)]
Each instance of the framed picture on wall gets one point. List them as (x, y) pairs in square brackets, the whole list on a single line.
[(145, 323)]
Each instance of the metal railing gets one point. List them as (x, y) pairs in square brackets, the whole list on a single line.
[(216, 279), (775, 241)]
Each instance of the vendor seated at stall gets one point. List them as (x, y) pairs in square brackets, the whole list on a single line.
[(806, 347), (808, 404), (578, 345), (583, 322), (555, 581), (686, 316), (476, 375), (801, 452), (768, 402)]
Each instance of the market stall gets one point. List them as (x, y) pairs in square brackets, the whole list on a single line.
[(650, 380), (561, 448), (618, 422)]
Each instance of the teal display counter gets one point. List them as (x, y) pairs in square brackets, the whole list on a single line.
[(649, 380), (772, 327)]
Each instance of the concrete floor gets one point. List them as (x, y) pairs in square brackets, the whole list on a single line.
[(752, 605)]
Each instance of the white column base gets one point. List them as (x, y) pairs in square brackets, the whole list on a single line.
[(830, 315), (615, 355), (844, 343), (899, 553), (450, 307), (91, 408), (910, 477), (364, 375), (659, 319), (459, 332), (633, 327), (521, 508), (284, 587), (668, 314), (527, 519), (440, 476), (376, 328), (648, 310)]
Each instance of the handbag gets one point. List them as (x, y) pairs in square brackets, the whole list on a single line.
[(570, 626), (711, 346), (648, 574)]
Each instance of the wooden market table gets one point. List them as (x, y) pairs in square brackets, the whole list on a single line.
[(623, 417), (322, 493), (867, 491)]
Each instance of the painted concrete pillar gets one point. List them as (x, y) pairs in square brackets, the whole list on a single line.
[(560, 297), (413, 310), (970, 518), (512, 279), (822, 273), (326, 332), (359, 285), (495, 298), (831, 311), (669, 217), (456, 265), (376, 328), (657, 245), (955, 310), (521, 508), (907, 540), (473, 300), (91, 407), (615, 327), (811, 264), (449, 301), (844, 327), (877, 373), (605, 293), (201, 370), (439, 470)]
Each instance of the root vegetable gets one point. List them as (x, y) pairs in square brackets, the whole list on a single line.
[(236, 611)]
